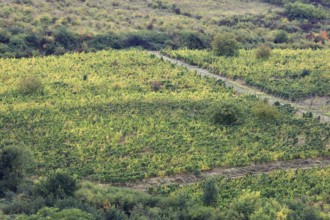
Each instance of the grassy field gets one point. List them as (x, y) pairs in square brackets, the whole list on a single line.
[(120, 115)]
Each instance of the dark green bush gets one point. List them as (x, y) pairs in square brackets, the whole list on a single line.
[(281, 37), (210, 192), (225, 45), (58, 184), (109, 40), (14, 162), (298, 10), (147, 39), (4, 37), (193, 40), (66, 39), (226, 114), (114, 213)]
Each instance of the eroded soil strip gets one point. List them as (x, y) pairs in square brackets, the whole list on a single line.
[(240, 88), (230, 172)]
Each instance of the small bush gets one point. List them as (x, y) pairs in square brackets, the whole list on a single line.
[(58, 184), (265, 112), (226, 114), (30, 85), (281, 37), (156, 86), (225, 45), (193, 40), (263, 52)]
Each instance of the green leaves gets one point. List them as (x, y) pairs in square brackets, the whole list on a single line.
[(114, 127)]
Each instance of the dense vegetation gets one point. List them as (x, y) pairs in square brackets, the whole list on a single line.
[(302, 195), (117, 116), (291, 74), (121, 115), (35, 27)]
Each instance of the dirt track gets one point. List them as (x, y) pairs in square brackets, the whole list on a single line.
[(243, 89), (231, 172)]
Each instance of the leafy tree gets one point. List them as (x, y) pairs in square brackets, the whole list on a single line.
[(14, 162), (210, 192), (225, 45), (58, 184), (226, 114)]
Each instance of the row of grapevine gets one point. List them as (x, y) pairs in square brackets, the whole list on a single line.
[(290, 74), (101, 117)]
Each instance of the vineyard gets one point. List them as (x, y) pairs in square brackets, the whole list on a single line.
[(290, 74), (115, 116)]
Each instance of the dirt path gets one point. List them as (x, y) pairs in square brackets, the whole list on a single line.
[(231, 172), (240, 88)]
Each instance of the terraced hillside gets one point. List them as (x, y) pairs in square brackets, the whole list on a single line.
[(115, 116)]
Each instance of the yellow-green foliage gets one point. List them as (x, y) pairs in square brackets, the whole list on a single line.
[(291, 74), (30, 85), (265, 112), (113, 126), (263, 52)]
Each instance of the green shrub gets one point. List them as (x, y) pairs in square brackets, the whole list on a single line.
[(55, 213), (243, 206), (271, 209), (265, 112), (281, 37), (147, 39), (4, 37), (226, 114), (58, 184), (114, 213), (193, 40), (14, 162), (66, 39), (109, 40), (210, 192), (30, 85), (263, 52), (298, 10), (225, 45)]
